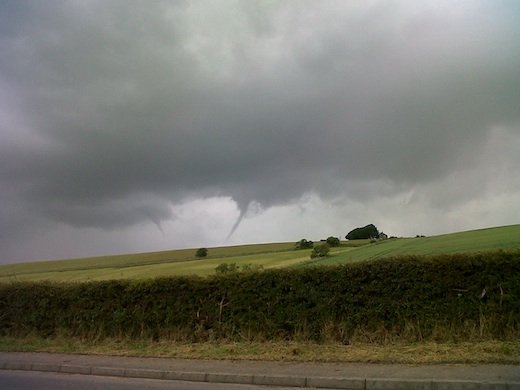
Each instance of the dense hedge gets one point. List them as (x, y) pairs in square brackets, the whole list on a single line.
[(458, 296)]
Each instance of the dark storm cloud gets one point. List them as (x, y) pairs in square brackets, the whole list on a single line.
[(112, 110)]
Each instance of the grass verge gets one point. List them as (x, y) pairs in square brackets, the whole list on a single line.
[(485, 352)]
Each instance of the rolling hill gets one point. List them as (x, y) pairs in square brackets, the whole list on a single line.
[(184, 262)]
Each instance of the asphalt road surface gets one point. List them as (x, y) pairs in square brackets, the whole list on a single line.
[(26, 380)]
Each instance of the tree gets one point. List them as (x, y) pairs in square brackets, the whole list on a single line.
[(333, 241), (201, 252), (320, 250), (369, 231), (304, 244)]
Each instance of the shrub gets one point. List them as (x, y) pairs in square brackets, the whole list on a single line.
[(320, 250), (201, 252), (252, 267), (333, 241), (304, 244), (225, 268)]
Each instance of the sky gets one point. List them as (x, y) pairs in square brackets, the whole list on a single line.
[(135, 126)]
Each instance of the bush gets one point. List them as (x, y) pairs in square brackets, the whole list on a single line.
[(333, 241), (201, 252), (304, 244), (252, 267), (320, 250), (225, 268)]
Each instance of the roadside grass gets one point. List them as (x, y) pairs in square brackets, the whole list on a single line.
[(483, 352)]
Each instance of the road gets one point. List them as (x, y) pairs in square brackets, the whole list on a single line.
[(30, 380)]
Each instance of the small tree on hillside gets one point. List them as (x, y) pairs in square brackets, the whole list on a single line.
[(333, 241), (320, 250), (304, 244), (201, 252)]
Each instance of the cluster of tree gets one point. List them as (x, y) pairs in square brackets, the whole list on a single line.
[(366, 232), (332, 241), (321, 249), (304, 244), (308, 244)]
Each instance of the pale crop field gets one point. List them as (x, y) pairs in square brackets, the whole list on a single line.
[(151, 265)]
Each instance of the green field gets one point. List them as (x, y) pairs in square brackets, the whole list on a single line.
[(504, 237), (184, 262)]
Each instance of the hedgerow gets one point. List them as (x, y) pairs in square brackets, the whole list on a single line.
[(454, 297)]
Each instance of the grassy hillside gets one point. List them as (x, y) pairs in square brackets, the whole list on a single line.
[(504, 237), (275, 255)]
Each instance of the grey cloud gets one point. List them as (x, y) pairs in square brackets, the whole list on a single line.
[(127, 107)]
